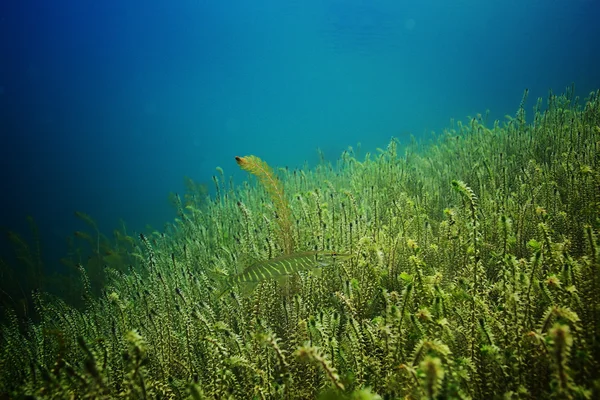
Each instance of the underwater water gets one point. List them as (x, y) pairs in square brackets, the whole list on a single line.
[(340, 199)]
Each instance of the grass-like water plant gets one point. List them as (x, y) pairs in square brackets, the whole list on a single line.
[(471, 269)]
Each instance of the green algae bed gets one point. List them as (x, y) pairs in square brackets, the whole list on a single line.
[(470, 269)]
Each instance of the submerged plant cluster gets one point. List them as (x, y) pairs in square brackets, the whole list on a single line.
[(463, 268)]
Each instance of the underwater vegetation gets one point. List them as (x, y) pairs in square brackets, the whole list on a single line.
[(468, 267)]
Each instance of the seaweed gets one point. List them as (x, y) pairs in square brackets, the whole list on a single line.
[(273, 186), (474, 273)]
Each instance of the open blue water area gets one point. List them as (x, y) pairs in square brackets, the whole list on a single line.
[(105, 106)]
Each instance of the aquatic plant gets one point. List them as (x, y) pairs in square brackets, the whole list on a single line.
[(273, 186), (474, 273)]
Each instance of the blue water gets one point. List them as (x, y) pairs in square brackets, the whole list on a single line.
[(106, 105)]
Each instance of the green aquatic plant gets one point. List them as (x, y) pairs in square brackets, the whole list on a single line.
[(474, 274), (273, 186)]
